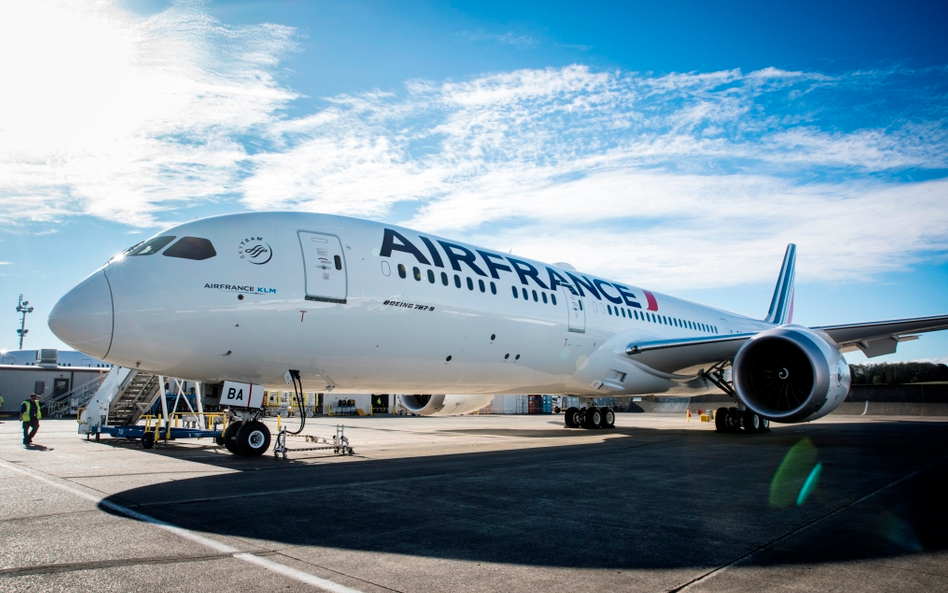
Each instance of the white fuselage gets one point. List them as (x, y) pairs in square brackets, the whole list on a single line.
[(325, 295)]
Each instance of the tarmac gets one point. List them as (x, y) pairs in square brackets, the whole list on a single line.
[(485, 503)]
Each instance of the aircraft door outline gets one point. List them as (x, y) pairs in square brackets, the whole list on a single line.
[(324, 267), (576, 313)]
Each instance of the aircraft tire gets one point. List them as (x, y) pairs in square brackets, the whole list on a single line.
[(572, 418), (608, 418), (230, 437), (764, 425), (752, 422), (148, 440), (253, 439), (720, 420), (734, 419), (592, 418)]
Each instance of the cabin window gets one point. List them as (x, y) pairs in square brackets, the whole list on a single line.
[(431, 277), (553, 298), (457, 281), (516, 294), (401, 271), (191, 248), (580, 305), (338, 261), (535, 298), (470, 283), (150, 247), (444, 278), (480, 284), (543, 294), (386, 269), (609, 308), (493, 288), (526, 297), (416, 273)]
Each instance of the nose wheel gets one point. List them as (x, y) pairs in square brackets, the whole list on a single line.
[(249, 439), (253, 438)]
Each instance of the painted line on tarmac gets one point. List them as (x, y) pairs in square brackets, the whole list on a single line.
[(297, 575)]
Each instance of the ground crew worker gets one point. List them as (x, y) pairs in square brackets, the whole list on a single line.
[(30, 415)]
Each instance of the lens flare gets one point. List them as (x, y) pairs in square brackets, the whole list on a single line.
[(797, 476)]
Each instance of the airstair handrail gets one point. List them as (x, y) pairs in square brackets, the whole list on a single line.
[(86, 390)]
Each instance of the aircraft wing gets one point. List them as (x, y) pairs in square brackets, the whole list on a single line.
[(874, 339), (881, 337)]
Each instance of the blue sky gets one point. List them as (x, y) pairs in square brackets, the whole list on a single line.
[(677, 145)]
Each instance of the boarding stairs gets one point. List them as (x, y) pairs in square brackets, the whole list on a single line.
[(124, 396), (77, 397)]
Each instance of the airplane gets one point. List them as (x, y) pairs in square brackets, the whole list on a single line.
[(332, 303)]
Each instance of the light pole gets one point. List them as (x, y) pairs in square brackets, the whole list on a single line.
[(23, 308)]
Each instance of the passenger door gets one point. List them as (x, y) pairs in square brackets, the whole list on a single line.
[(324, 265), (574, 307)]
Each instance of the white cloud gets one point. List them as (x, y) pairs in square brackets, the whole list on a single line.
[(660, 179), (121, 116)]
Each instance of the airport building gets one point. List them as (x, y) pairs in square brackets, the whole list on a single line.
[(57, 376)]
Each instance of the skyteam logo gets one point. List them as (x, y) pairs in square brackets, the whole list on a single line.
[(255, 250)]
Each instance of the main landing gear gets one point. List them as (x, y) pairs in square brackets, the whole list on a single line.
[(735, 420), (590, 417)]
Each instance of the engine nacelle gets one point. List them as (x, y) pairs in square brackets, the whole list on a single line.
[(444, 405), (791, 374)]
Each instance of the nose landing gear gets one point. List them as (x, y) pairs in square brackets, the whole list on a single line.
[(250, 437)]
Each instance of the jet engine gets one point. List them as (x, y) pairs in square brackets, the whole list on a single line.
[(444, 405), (791, 374)]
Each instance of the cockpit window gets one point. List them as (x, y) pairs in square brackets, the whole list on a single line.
[(150, 247), (191, 248)]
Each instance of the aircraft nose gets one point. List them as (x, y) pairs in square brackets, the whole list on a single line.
[(83, 317)]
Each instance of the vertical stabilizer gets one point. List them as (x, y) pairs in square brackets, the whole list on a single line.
[(781, 307)]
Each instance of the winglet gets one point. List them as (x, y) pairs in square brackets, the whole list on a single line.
[(781, 307)]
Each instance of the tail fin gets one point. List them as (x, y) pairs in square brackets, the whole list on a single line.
[(781, 307)]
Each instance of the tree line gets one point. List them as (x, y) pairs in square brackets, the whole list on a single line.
[(897, 373)]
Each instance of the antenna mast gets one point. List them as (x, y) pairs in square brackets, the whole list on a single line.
[(23, 308)]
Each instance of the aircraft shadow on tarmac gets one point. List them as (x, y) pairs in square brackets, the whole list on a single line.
[(647, 499)]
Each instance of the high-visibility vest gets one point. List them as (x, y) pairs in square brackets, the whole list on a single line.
[(25, 415)]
